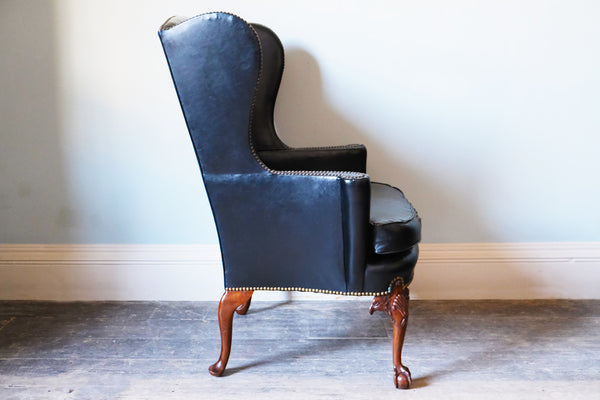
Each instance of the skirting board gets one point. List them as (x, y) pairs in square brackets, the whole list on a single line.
[(193, 272)]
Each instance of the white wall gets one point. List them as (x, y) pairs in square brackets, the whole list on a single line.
[(484, 112)]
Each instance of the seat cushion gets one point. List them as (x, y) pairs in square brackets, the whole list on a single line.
[(395, 224), (384, 268)]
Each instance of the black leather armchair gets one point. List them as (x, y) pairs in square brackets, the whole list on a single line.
[(295, 219)]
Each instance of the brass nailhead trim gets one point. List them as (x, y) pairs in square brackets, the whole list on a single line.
[(298, 289)]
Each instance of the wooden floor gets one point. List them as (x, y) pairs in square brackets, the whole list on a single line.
[(299, 350)]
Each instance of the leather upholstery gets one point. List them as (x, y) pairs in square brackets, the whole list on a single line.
[(396, 227), (287, 218), (265, 137), (382, 269)]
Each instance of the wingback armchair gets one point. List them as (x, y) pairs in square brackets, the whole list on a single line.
[(288, 219)]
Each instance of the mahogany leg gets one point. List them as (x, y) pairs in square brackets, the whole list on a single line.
[(230, 301), (395, 304)]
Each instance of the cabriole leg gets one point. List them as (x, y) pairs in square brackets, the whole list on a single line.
[(230, 301), (395, 304)]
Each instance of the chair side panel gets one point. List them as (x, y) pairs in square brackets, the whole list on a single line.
[(280, 231)]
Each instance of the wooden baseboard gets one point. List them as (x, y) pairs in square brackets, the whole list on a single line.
[(548, 270), (193, 272)]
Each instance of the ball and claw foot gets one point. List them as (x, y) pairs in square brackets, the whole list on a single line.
[(402, 378), (395, 304)]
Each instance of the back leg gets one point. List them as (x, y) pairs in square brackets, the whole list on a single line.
[(230, 301)]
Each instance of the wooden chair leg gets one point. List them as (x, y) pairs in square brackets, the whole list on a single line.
[(230, 301), (395, 304)]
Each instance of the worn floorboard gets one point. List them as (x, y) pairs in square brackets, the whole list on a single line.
[(299, 350)]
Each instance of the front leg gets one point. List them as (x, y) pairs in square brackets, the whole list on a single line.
[(230, 301), (395, 303)]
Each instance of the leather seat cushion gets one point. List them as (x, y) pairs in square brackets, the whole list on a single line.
[(383, 269), (395, 225)]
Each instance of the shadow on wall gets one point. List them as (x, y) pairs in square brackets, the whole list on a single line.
[(34, 196), (305, 118), (36, 206)]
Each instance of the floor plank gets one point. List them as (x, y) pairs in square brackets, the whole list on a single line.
[(299, 349)]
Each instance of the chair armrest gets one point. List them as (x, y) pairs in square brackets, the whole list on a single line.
[(290, 229), (333, 158)]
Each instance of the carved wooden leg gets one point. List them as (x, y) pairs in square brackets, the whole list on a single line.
[(230, 301), (395, 304)]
